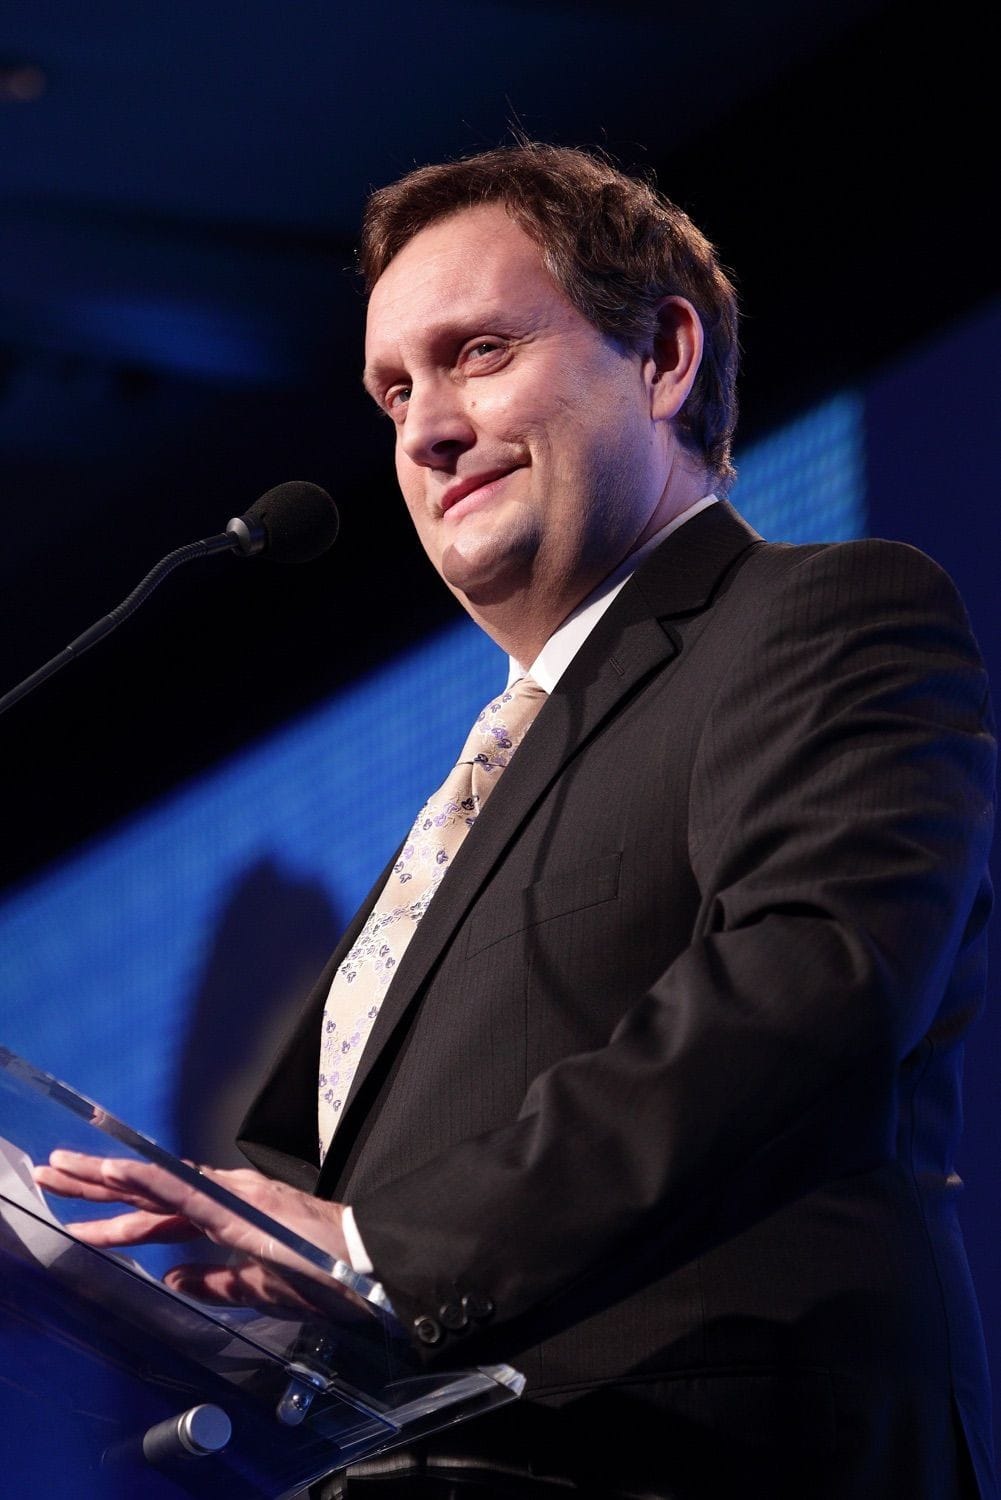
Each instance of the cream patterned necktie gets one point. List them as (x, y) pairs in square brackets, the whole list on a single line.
[(362, 980)]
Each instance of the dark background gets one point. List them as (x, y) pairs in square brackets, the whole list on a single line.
[(180, 328)]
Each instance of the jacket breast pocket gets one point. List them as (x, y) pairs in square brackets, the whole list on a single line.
[(588, 884)]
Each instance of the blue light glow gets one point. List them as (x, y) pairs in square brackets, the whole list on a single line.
[(107, 960)]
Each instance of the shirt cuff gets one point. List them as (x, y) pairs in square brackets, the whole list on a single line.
[(357, 1254)]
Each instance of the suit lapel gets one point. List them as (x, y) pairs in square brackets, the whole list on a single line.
[(629, 644)]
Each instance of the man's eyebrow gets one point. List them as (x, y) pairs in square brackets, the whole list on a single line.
[(459, 325), (370, 380), (376, 378)]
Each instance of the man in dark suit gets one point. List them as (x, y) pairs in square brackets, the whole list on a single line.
[(661, 1102)]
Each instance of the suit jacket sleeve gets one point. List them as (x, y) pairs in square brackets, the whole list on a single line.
[(839, 819)]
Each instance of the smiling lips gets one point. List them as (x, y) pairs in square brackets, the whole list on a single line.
[(473, 485)]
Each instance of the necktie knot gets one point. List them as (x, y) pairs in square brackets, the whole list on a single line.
[(498, 731)]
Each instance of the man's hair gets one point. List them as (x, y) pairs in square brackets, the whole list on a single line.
[(613, 244)]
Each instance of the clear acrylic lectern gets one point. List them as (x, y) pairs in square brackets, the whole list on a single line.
[(114, 1386)]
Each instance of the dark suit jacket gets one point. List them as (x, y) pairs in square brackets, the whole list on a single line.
[(662, 1102)]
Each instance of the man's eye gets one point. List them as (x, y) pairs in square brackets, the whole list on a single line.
[(397, 397), (482, 349)]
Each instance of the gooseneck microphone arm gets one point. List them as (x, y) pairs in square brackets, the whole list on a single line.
[(111, 621), (292, 523)]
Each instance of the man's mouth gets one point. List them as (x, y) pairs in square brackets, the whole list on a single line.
[(466, 494)]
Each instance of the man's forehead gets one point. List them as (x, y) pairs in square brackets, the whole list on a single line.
[(488, 225), (477, 264), (465, 253)]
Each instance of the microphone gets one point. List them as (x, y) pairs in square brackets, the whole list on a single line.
[(294, 522)]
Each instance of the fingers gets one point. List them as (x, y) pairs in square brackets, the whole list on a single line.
[(243, 1284), (165, 1202), (71, 1174), (138, 1228), (78, 1165), (167, 1209), (102, 1179), (171, 1209), (66, 1185)]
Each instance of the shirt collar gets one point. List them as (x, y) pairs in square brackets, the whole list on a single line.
[(567, 639)]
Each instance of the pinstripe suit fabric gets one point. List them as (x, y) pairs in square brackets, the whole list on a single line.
[(669, 1073)]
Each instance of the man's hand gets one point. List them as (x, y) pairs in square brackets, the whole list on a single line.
[(165, 1209)]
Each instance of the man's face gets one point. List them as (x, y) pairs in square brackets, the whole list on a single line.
[(525, 447)]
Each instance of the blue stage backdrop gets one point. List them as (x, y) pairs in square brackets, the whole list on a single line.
[(157, 969), (106, 960)]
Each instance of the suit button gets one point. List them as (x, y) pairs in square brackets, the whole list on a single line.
[(427, 1330), (477, 1307), (453, 1316)]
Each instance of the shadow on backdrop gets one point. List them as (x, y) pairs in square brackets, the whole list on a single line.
[(275, 934)]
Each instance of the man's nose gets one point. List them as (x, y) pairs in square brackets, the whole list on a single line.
[(437, 425)]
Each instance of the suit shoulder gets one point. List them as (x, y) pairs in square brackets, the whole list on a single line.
[(869, 568)]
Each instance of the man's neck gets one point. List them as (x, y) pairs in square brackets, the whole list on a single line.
[(548, 666)]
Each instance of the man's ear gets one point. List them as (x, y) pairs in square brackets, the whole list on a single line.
[(677, 355)]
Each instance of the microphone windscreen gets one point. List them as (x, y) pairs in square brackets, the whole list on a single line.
[(299, 521)]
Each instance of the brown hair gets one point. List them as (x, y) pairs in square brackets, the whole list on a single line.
[(613, 244)]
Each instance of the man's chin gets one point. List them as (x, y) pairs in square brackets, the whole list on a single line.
[(485, 576)]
